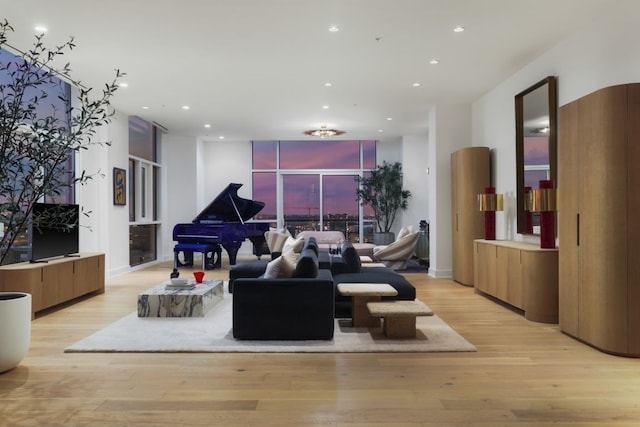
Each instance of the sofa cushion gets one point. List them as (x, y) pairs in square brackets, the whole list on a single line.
[(307, 265), (351, 258), (311, 243)]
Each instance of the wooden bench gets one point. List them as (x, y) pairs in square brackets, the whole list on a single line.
[(399, 317)]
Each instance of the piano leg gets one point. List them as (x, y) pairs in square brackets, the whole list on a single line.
[(232, 249)]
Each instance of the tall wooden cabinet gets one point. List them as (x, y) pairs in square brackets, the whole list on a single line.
[(599, 183), (470, 175)]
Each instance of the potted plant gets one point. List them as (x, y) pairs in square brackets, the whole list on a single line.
[(382, 190), (37, 141)]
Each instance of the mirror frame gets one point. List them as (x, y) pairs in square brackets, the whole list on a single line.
[(551, 82)]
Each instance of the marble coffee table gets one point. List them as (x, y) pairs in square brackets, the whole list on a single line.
[(161, 302)]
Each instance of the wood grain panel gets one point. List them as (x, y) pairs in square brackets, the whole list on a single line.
[(633, 230), (568, 211), (603, 218)]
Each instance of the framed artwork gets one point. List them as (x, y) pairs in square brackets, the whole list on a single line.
[(119, 186)]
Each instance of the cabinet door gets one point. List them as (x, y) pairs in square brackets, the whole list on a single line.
[(502, 273), (568, 276), (486, 255), (602, 195), (540, 285), (89, 275), (514, 266)]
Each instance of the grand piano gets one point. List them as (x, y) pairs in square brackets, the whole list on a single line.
[(223, 222)]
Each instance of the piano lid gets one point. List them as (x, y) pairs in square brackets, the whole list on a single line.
[(228, 207)]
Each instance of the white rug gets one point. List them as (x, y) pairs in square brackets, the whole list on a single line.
[(213, 333)]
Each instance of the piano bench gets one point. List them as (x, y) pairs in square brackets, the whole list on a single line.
[(211, 255)]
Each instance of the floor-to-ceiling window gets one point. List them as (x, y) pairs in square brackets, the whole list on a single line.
[(143, 189), (311, 185)]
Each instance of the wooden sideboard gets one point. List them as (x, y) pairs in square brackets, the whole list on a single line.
[(56, 281), (520, 274)]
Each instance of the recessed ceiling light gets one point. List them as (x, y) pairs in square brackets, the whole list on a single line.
[(458, 29), (325, 107), (434, 61), (328, 84), (185, 107), (145, 107), (123, 84), (380, 130), (207, 125), (416, 84), (40, 29), (334, 29), (389, 118), (221, 137)]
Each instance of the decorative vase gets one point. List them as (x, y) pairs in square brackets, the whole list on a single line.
[(381, 239), (15, 328)]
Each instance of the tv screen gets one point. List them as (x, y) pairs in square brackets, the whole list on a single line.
[(54, 230)]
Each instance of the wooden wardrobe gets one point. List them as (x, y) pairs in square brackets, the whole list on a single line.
[(470, 175), (598, 211)]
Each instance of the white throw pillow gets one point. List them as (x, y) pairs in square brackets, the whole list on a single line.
[(295, 244), (273, 268), (289, 260), (283, 266)]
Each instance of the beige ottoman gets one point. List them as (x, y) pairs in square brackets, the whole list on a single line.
[(361, 294), (399, 317)]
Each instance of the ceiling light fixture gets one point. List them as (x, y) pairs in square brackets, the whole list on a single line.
[(40, 29), (458, 29), (334, 29), (434, 61), (323, 132)]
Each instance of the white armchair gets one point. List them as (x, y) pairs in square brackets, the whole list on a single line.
[(396, 254)]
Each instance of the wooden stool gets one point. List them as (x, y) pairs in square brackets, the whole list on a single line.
[(399, 317)]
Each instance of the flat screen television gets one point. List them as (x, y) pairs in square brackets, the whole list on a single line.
[(54, 230)]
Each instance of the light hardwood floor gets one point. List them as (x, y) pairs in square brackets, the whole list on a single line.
[(524, 373)]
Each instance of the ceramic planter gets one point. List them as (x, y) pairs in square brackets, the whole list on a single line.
[(15, 328)]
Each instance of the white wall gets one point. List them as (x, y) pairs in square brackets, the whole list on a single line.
[(604, 53), (449, 130), (106, 229), (415, 161)]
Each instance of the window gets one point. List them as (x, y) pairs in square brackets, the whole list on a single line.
[(316, 181), (144, 190)]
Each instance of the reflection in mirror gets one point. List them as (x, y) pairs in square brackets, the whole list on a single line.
[(535, 146)]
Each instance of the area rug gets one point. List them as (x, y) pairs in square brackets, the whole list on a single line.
[(213, 333)]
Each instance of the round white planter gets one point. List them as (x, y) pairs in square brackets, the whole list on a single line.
[(15, 328)]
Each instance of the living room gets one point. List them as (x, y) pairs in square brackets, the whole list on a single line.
[(530, 373)]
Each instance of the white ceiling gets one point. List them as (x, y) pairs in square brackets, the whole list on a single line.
[(256, 69)]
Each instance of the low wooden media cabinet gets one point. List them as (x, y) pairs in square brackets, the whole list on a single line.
[(520, 274), (56, 281)]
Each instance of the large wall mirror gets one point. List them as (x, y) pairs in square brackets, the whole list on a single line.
[(536, 155)]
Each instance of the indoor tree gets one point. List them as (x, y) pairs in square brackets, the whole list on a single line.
[(382, 190), (37, 139)]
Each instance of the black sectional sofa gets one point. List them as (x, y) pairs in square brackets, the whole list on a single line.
[(303, 306)]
